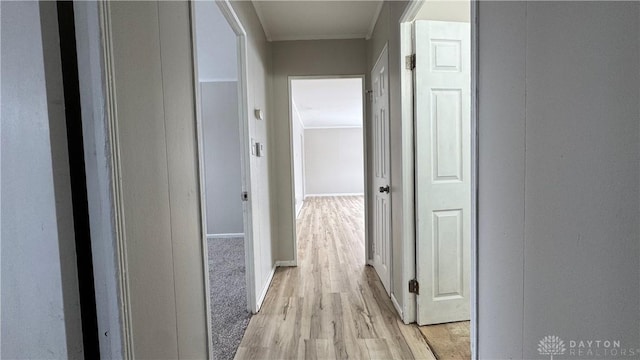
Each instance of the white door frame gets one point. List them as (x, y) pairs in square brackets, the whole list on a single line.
[(409, 223), (105, 91), (304, 185), (243, 110), (292, 163), (302, 160)]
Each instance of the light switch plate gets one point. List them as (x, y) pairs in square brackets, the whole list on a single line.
[(258, 114), (259, 149)]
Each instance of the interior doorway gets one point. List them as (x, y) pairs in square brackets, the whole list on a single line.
[(328, 150), (437, 42), (220, 76)]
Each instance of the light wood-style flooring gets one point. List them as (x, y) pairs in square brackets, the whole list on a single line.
[(331, 306), (449, 341)]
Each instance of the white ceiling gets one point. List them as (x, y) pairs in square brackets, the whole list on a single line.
[(324, 103), (445, 10), (314, 20)]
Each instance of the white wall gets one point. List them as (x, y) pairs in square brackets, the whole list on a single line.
[(300, 58), (155, 116), (220, 123), (297, 133), (40, 306), (559, 175), (334, 161), (214, 39)]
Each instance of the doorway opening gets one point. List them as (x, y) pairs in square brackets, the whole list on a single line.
[(328, 159), (437, 41), (220, 74)]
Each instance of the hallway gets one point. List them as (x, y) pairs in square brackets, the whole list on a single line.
[(331, 305)]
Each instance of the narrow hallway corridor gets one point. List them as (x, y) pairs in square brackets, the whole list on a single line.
[(332, 306)]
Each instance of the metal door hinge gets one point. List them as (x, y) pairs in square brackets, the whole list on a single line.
[(410, 62), (414, 287), (245, 196)]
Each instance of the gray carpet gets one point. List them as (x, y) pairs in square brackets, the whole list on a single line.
[(229, 315)]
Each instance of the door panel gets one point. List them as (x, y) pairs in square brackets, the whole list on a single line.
[(446, 138), (381, 248), (442, 85), (447, 239)]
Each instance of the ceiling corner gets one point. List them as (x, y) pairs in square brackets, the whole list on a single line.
[(374, 20), (258, 8)]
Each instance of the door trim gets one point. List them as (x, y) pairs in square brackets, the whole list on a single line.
[(243, 111), (290, 78), (408, 173), (475, 139), (116, 180)]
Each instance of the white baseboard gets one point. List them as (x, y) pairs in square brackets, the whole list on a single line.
[(337, 194), (263, 294), (287, 263), (396, 305), (299, 210), (222, 236)]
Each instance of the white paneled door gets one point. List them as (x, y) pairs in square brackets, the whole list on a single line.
[(442, 85), (381, 246)]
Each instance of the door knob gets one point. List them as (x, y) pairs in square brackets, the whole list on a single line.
[(384, 189)]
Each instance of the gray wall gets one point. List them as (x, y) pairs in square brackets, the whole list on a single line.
[(259, 88), (216, 44), (334, 161), (301, 58), (220, 122), (559, 180), (40, 306), (387, 31)]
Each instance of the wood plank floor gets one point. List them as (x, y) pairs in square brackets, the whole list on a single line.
[(449, 341), (331, 306)]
